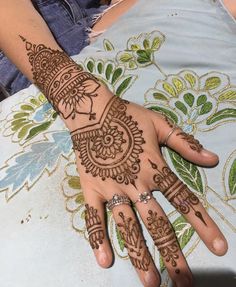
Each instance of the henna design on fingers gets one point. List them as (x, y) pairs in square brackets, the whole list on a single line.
[(94, 226), (111, 147), (176, 191), (164, 238), (68, 88), (134, 242), (193, 143), (170, 123)]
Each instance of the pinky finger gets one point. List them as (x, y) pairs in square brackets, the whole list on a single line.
[(98, 239)]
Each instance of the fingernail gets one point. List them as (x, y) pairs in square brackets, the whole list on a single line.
[(218, 244)]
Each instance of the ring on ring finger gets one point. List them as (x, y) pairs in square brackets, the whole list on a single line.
[(118, 199)]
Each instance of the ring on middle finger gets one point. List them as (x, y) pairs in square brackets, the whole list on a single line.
[(144, 197), (118, 199)]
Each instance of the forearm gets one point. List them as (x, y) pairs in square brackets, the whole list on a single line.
[(19, 17), (27, 41)]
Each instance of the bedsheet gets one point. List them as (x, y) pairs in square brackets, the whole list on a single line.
[(177, 57)]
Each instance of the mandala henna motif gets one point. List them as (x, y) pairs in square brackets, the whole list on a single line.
[(176, 191), (134, 242), (164, 238), (193, 143), (111, 147), (94, 227), (68, 88)]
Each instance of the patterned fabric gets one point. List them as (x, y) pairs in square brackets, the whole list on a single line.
[(179, 59)]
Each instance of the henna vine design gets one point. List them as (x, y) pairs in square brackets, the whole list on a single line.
[(176, 191), (193, 143), (68, 88), (111, 147), (94, 227), (164, 238), (134, 242)]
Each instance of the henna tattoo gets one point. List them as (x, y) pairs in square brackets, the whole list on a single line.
[(134, 242), (94, 227), (68, 88), (164, 238), (170, 123), (176, 191), (111, 147), (193, 143)]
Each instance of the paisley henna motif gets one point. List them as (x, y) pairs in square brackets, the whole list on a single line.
[(175, 191), (134, 242), (111, 148)]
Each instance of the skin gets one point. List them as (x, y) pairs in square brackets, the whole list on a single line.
[(118, 133)]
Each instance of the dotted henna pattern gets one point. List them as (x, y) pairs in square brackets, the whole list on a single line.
[(134, 242), (111, 148), (175, 191)]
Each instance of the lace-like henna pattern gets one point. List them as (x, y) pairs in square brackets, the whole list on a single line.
[(164, 238), (111, 147), (134, 242), (176, 191), (193, 143), (94, 227), (68, 88)]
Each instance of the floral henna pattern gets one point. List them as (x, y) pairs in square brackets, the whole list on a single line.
[(94, 227), (134, 242), (111, 147), (193, 143), (164, 238), (68, 88), (176, 191)]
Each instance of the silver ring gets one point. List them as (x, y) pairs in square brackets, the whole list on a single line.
[(118, 199), (144, 197), (169, 134)]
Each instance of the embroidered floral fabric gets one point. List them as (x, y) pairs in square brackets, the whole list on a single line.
[(178, 59)]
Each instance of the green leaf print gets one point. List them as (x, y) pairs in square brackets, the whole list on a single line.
[(187, 171), (74, 182), (223, 114), (189, 99), (159, 96), (201, 100), (212, 83), (108, 46), (179, 105), (228, 96), (206, 108), (117, 73), (144, 56), (190, 79), (120, 240), (232, 178), (124, 86)]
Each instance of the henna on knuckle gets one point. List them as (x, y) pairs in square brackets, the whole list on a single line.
[(176, 191), (134, 242), (94, 227)]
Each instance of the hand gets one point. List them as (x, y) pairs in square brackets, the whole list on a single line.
[(119, 154), (117, 146)]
